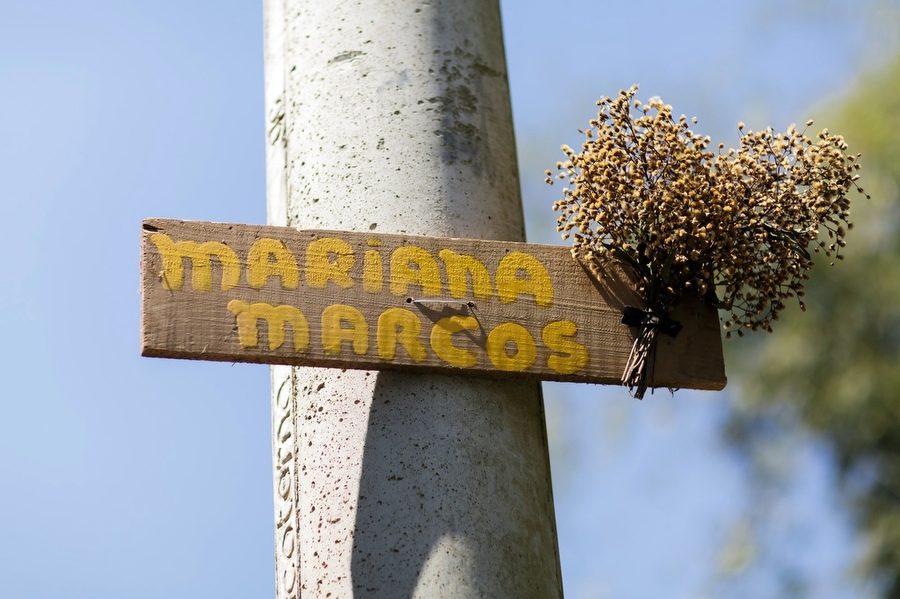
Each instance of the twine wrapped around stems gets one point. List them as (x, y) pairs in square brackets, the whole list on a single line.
[(638, 374), (639, 369)]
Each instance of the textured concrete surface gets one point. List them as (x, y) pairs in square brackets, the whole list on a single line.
[(394, 116)]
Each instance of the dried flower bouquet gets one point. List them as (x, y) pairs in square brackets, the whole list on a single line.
[(735, 226)]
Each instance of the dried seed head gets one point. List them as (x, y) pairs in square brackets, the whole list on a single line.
[(645, 190)]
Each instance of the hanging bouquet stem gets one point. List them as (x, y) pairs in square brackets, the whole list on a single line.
[(639, 368), (738, 228)]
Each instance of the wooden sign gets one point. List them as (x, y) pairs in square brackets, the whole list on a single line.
[(276, 295)]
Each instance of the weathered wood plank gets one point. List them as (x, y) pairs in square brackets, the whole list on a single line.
[(250, 293)]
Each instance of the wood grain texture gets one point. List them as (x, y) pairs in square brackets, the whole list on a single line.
[(352, 291)]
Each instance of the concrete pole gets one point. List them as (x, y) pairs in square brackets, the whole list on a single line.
[(393, 116)]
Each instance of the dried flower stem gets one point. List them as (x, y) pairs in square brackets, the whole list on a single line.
[(638, 374)]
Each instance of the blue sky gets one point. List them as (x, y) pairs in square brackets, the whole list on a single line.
[(127, 477)]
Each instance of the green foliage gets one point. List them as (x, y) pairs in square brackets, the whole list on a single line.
[(837, 367)]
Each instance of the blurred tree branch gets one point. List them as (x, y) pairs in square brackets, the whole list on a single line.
[(836, 368)]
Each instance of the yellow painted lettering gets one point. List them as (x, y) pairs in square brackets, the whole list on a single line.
[(535, 282), (174, 253), (498, 347), (271, 258), (276, 317), (373, 272), (460, 268), (559, 336), (335, 333), (399, 326), (442, 340), (329, 259), (412, 265)]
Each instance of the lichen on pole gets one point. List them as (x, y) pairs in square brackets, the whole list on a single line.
[(395, 118)]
